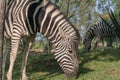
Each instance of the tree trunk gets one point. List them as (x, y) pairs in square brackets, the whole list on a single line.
[(2, 10), (68, 6)]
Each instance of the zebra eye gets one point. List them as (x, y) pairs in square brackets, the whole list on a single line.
[(70, 51)]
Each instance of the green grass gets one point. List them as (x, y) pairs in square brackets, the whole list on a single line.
[(95, 65)]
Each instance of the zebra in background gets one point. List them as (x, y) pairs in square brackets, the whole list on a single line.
[(100, 30), (24, 18)]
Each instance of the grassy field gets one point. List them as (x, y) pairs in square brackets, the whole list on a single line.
[(95, 65)]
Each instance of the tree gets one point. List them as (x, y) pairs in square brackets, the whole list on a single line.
[(2, 10)]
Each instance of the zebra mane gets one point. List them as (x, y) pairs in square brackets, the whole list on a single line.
[(45, 2)]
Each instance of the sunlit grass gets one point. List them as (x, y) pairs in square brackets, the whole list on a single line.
[(94, 65)]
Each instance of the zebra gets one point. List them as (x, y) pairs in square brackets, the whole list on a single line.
[(100, 30), (24, 18)]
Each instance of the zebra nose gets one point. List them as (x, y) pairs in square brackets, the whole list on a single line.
[(74, 70), (76, 66), (72, 74)]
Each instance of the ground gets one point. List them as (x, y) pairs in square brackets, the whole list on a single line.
[(94, 65)]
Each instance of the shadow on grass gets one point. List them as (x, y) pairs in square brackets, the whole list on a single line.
[(44, 65), (109, 54), (82, 60), (49, 65)]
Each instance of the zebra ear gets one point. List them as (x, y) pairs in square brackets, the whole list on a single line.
[(63, 34)]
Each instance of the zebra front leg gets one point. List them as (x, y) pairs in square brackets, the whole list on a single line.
[(14, 48), (24, 62), (7, 50)]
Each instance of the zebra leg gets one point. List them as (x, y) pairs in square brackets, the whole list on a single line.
[(7, 50), (24, 62), (14, 48), (95, 43), (102, 45)]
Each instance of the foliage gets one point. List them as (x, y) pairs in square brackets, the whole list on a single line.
[(22, 44), (47, 47), (84, 13), (114, 21), (36, 45), (106, 16)]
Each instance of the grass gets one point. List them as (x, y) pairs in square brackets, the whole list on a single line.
[(95, 65)]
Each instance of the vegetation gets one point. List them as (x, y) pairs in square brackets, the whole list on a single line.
[(95, 65)]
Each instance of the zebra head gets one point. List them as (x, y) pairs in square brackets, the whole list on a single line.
[(57, 28), (87, 45), (88, 38), (66, 50)]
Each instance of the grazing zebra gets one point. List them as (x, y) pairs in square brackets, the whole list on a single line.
[(100, 30), (24, 18)]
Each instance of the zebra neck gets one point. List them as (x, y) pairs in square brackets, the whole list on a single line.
[(90, 34), (50, 19)]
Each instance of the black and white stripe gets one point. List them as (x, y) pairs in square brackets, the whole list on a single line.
[(100, 30), (24, 18)]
